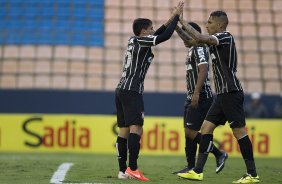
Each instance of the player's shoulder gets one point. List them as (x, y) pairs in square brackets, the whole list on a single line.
[(223, 34), (147, 37), (131, 40)]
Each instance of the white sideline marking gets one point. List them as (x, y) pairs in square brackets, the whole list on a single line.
[(59, 176)]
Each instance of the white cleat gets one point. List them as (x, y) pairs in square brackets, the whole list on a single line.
[(122, 175)]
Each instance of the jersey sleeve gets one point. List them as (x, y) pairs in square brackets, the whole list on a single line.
[(223, 38), (147, 41), (202, 56)]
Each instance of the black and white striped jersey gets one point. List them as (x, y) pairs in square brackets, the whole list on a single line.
[(224, 63), (197, 56), (137, 60)]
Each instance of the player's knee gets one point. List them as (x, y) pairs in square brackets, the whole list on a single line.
[(123, 132), (207, 127), (136, 129), (191, 134), (239, 132)]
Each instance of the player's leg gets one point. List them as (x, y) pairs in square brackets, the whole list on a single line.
[(134, 117), (121, 147), (204, 149), (194, 120), (221, 156), (190, 145), (190, 151), (121, 142), (205, 145), (134, 149), (247, 153), (233, 108), (195, 138), (134, 145), (215, 114)]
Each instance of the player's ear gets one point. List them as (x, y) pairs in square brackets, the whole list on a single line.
[(143, 31)]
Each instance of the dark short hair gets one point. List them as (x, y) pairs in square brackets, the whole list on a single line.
[(219, 13), (195, 26), (139, 24)]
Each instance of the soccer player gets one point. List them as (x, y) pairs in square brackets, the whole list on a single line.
[(228, 105), (129, 98), (198, 101)]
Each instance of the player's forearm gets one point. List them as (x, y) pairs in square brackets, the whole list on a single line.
[(204, 39), (182, 34), (168, 32), (160, 30), (201, 79)]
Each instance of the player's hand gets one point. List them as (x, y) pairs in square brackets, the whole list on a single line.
[(179, 8), (195, 100), (181, 20), (181, 16)]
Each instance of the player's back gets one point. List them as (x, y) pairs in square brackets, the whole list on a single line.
[(224, 63), (137, 60)]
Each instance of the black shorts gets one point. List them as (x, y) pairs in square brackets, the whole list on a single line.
[(228, 107), (194, 117), (130, 108)]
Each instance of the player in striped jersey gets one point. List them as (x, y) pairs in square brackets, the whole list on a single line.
[(228, 105), (198, 101), (129, 92)]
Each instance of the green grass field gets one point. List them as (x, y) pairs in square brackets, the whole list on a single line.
[(27, 168)]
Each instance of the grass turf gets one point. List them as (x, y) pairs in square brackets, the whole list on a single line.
[(31, 168)]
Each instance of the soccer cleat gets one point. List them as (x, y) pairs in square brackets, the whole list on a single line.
[(220, 161), (122, 175), (192, 175), (186, 169), (135, 174), (247, 178)]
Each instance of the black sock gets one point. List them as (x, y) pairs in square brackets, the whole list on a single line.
[(121, 146), (198, 138), (205, 146), (133, 148), (247, 153), (190, 151), (214, 150)]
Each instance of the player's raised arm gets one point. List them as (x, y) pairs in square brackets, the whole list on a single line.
[(161, 29), (200, 38), (165, 35), (182, 34), (188, 40)]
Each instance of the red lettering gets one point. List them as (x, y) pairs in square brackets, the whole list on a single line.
[(260, 142), (73, 134), (263, 144), (48, 137), (84, 138), (159, 139), (63, 135), (163, 138), (66, 136), (152, 141), (173, 142), (227, 143)]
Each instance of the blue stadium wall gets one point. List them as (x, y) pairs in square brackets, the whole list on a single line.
[(52, 22), (95, 102)]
